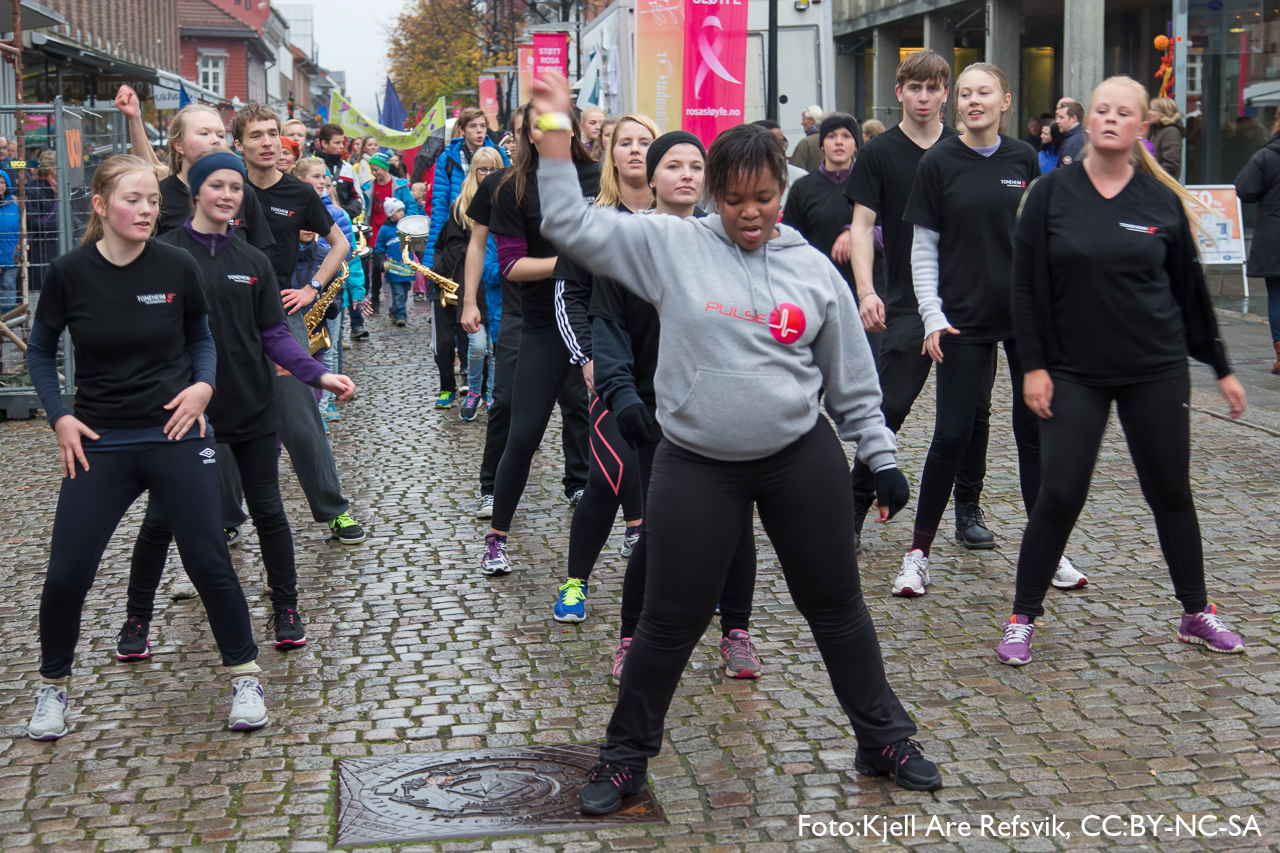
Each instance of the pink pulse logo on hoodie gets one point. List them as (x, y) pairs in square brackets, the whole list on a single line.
[(786, 323)]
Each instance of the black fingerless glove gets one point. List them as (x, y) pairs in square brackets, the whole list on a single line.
[(635, 424), (892, 490)]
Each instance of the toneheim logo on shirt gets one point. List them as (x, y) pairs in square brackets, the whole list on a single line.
[(242, 279), (1014, 182), (1139, 229), (156, 298), (280, 211)]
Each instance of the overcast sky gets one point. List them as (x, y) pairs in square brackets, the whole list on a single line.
[(352, 38)]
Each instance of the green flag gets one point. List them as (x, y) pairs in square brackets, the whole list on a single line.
[(355, 123)]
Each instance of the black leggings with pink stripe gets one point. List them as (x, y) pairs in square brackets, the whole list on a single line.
[(613, 481)]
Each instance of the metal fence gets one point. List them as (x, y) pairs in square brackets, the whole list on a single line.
[(54, 217)]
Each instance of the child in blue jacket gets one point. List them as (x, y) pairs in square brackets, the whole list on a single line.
[(399, 277)]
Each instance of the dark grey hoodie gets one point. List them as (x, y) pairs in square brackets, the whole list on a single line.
[(748, 338)]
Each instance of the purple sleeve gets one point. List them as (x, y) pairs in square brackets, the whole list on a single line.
[(510, 250), (878, 240), (289, 354)]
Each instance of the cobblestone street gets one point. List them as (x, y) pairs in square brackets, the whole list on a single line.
[(412, 650)]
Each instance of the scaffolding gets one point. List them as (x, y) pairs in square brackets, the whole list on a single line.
[(53, 213)]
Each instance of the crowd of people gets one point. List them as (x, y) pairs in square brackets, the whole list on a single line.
[(711, 322)]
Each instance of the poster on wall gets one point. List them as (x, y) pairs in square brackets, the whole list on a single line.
[(550, 53), (524, 62), (488, 89), (660, 61), (715, 49), (1221, 227)]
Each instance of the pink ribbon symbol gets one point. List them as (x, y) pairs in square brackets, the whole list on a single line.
[(710, 52)]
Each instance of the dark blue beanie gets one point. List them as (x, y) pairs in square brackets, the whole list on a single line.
[(208, 164)]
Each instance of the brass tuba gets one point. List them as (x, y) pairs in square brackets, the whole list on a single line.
[(413, 231), (317, 328)]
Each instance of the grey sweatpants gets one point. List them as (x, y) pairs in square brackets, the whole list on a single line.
[(302, 431)]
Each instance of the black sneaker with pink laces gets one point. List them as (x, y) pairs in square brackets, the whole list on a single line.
[(608, 785), (904, 761)]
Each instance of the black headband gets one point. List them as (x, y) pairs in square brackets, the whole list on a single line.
[(838, 120), (664, 143)]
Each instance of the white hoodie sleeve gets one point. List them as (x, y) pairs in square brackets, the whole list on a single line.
[(924, 274)]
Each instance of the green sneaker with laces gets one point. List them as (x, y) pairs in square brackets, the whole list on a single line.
[(346, 530)]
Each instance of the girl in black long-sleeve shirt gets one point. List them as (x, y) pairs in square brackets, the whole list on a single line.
[(138, 319), (1108, 301)]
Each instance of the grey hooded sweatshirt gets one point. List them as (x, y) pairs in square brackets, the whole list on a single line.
[(748, 338)]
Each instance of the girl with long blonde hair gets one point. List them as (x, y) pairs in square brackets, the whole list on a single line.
[(614, 476), (195, 129), (1108, 301), (454, 240), (137, 314)]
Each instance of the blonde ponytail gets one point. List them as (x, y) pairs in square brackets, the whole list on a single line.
[(1141, 160)]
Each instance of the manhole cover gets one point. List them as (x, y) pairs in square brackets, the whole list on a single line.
[(473, 794)]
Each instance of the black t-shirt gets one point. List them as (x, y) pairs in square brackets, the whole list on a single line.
[(524, 220), (972, 202), (175, 209), (126, 324), (882, 179), (481, 211), (240, 288), (818, 209), (1126, 298), (291, 206)]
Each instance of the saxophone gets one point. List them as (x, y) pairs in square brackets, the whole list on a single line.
[(448, 287), (317, 328)]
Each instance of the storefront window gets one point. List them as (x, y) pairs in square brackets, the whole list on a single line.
[(1232, 85)]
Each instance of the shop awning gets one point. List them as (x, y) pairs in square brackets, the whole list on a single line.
[(34, 16), (89, 58)]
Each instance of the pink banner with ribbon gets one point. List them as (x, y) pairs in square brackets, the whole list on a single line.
[(715, 66)]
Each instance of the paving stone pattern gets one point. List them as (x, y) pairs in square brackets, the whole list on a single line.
[(413, 651)]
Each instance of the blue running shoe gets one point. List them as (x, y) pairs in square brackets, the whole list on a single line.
[(571, 606)]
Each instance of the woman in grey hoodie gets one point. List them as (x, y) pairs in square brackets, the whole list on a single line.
[(755, 323)]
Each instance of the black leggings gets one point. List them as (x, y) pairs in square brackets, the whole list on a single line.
[(964, 376), (613, 480), (182, 477), (542, 371), (739, 584), (903, 372), (258, 463), (450, 341), (693, 515), (1156, 419)]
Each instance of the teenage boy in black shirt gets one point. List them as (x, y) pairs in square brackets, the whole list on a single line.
[(291, 207), (881, 183)]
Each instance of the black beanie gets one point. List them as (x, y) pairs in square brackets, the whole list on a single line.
[(664, 143), (836, 120)]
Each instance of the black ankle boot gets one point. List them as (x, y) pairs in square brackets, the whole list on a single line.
[(971, 530)]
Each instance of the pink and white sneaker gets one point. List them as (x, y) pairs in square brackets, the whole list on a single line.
[(1015, 648)]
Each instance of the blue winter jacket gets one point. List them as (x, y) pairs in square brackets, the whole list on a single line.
[(451, 171), (10, 227), (353, 289), (388, 243)]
